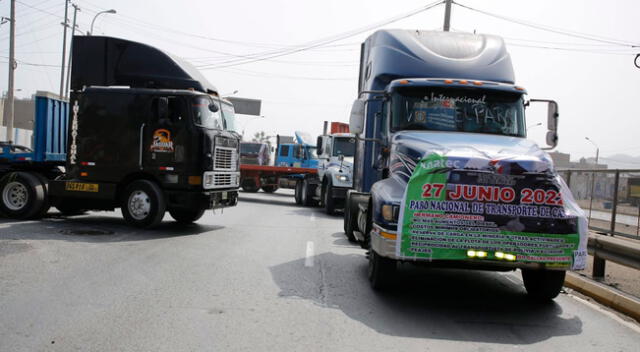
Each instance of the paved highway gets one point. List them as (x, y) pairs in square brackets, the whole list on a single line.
[(264, 276)]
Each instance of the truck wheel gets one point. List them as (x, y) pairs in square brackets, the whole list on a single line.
[(298, 192), (186, 216), (543, 285), (327, 200), (349, 223), (143, 204), (46, 205), (304, 196), (269, 189), (381, 270), (250, 188), (22, 195)]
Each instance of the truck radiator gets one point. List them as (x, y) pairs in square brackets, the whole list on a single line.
[(225, 159)]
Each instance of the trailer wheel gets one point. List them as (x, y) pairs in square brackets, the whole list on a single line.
[(381, 270), (328, 201), (349, 223), (269, 189), (22, 195), (250, 188), (298, 192), (143, 204), (543, 285), (186, 216)]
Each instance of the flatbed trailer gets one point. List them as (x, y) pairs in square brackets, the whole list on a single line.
[(267, 177)]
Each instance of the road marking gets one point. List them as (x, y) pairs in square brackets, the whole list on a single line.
[(312, 217), (308, 260), (614, 316)]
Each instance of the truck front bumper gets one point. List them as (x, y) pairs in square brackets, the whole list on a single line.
[(339, 192), (383, 242), (203, 199)]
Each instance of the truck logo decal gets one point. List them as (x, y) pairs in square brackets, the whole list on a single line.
[(81, 187), (162, 142), (73, 148)]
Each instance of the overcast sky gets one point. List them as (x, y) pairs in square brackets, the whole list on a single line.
[(595, 83)]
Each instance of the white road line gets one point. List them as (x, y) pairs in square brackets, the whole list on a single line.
[(308, 259), (312, 217)]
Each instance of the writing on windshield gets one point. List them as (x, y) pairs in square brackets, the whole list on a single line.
[(458, 110)]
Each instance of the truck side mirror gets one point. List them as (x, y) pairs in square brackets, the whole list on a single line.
[(356, 120), (552, 122), (319, 145), (163, 108)]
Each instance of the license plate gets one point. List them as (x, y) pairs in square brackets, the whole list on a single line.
[(81, 187), (224, 196)]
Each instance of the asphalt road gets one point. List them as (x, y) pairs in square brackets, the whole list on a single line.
[(264, 276)]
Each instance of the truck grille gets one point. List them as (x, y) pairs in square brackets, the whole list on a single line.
[(225, 158), (221, 180)]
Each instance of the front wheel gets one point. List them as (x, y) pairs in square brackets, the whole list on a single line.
[(304, 196), (186, 216), (543, 285), (381, 270), (22, 195), (143, 204), (328, 201), (349, 221)]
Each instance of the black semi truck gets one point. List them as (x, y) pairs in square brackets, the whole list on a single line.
[(145, 132)]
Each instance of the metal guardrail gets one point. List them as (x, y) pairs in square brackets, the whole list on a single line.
[(612, 188), (619, 251)]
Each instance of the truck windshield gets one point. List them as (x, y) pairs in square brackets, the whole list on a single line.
[(229, 116), (203, 116), (461, 110), (250, 148), (344, 146), (311, 153)]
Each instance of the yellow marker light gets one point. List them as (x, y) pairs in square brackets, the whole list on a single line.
[(519, 88), (84, 174), (471, 253), (463, 82), (404, 81), (387, 212), (499, 255), (448, 81), (477, 83), (481, 254), (510, 257), (389, 236), (195, 180)]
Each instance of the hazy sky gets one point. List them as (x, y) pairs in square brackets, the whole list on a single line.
[(595, 83)]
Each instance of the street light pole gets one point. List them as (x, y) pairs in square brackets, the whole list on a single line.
[(112, 11), (65, 24), (8, 111), (73, 32), (593, 176)]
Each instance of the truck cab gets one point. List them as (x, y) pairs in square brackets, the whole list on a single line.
[(444, 174), (299, 154)]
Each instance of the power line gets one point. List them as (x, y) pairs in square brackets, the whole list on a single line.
[(325, 41), (553, 29)]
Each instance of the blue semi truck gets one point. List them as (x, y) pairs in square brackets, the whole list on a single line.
[(444, 175)]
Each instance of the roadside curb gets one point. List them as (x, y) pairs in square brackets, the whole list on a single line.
[(604, 294)]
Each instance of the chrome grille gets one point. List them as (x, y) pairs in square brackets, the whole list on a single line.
[(225, 158), (221, 179)]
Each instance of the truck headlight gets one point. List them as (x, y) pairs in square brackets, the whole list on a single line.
[(342, 178), (390, 212)]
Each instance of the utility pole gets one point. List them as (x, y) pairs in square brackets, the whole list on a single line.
[(73, 32), (8, 111), (447, 16), (64, 46)]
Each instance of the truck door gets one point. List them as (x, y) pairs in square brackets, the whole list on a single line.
[(165, 134)]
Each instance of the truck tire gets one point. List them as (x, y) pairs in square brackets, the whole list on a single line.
[(269, 189), (22, 195), (250, 188), (186, 216), (304, 195), (543, 285), (349, 223), (327, 200), (143, 204), (46, 204), (298, 192), (381, 270)]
